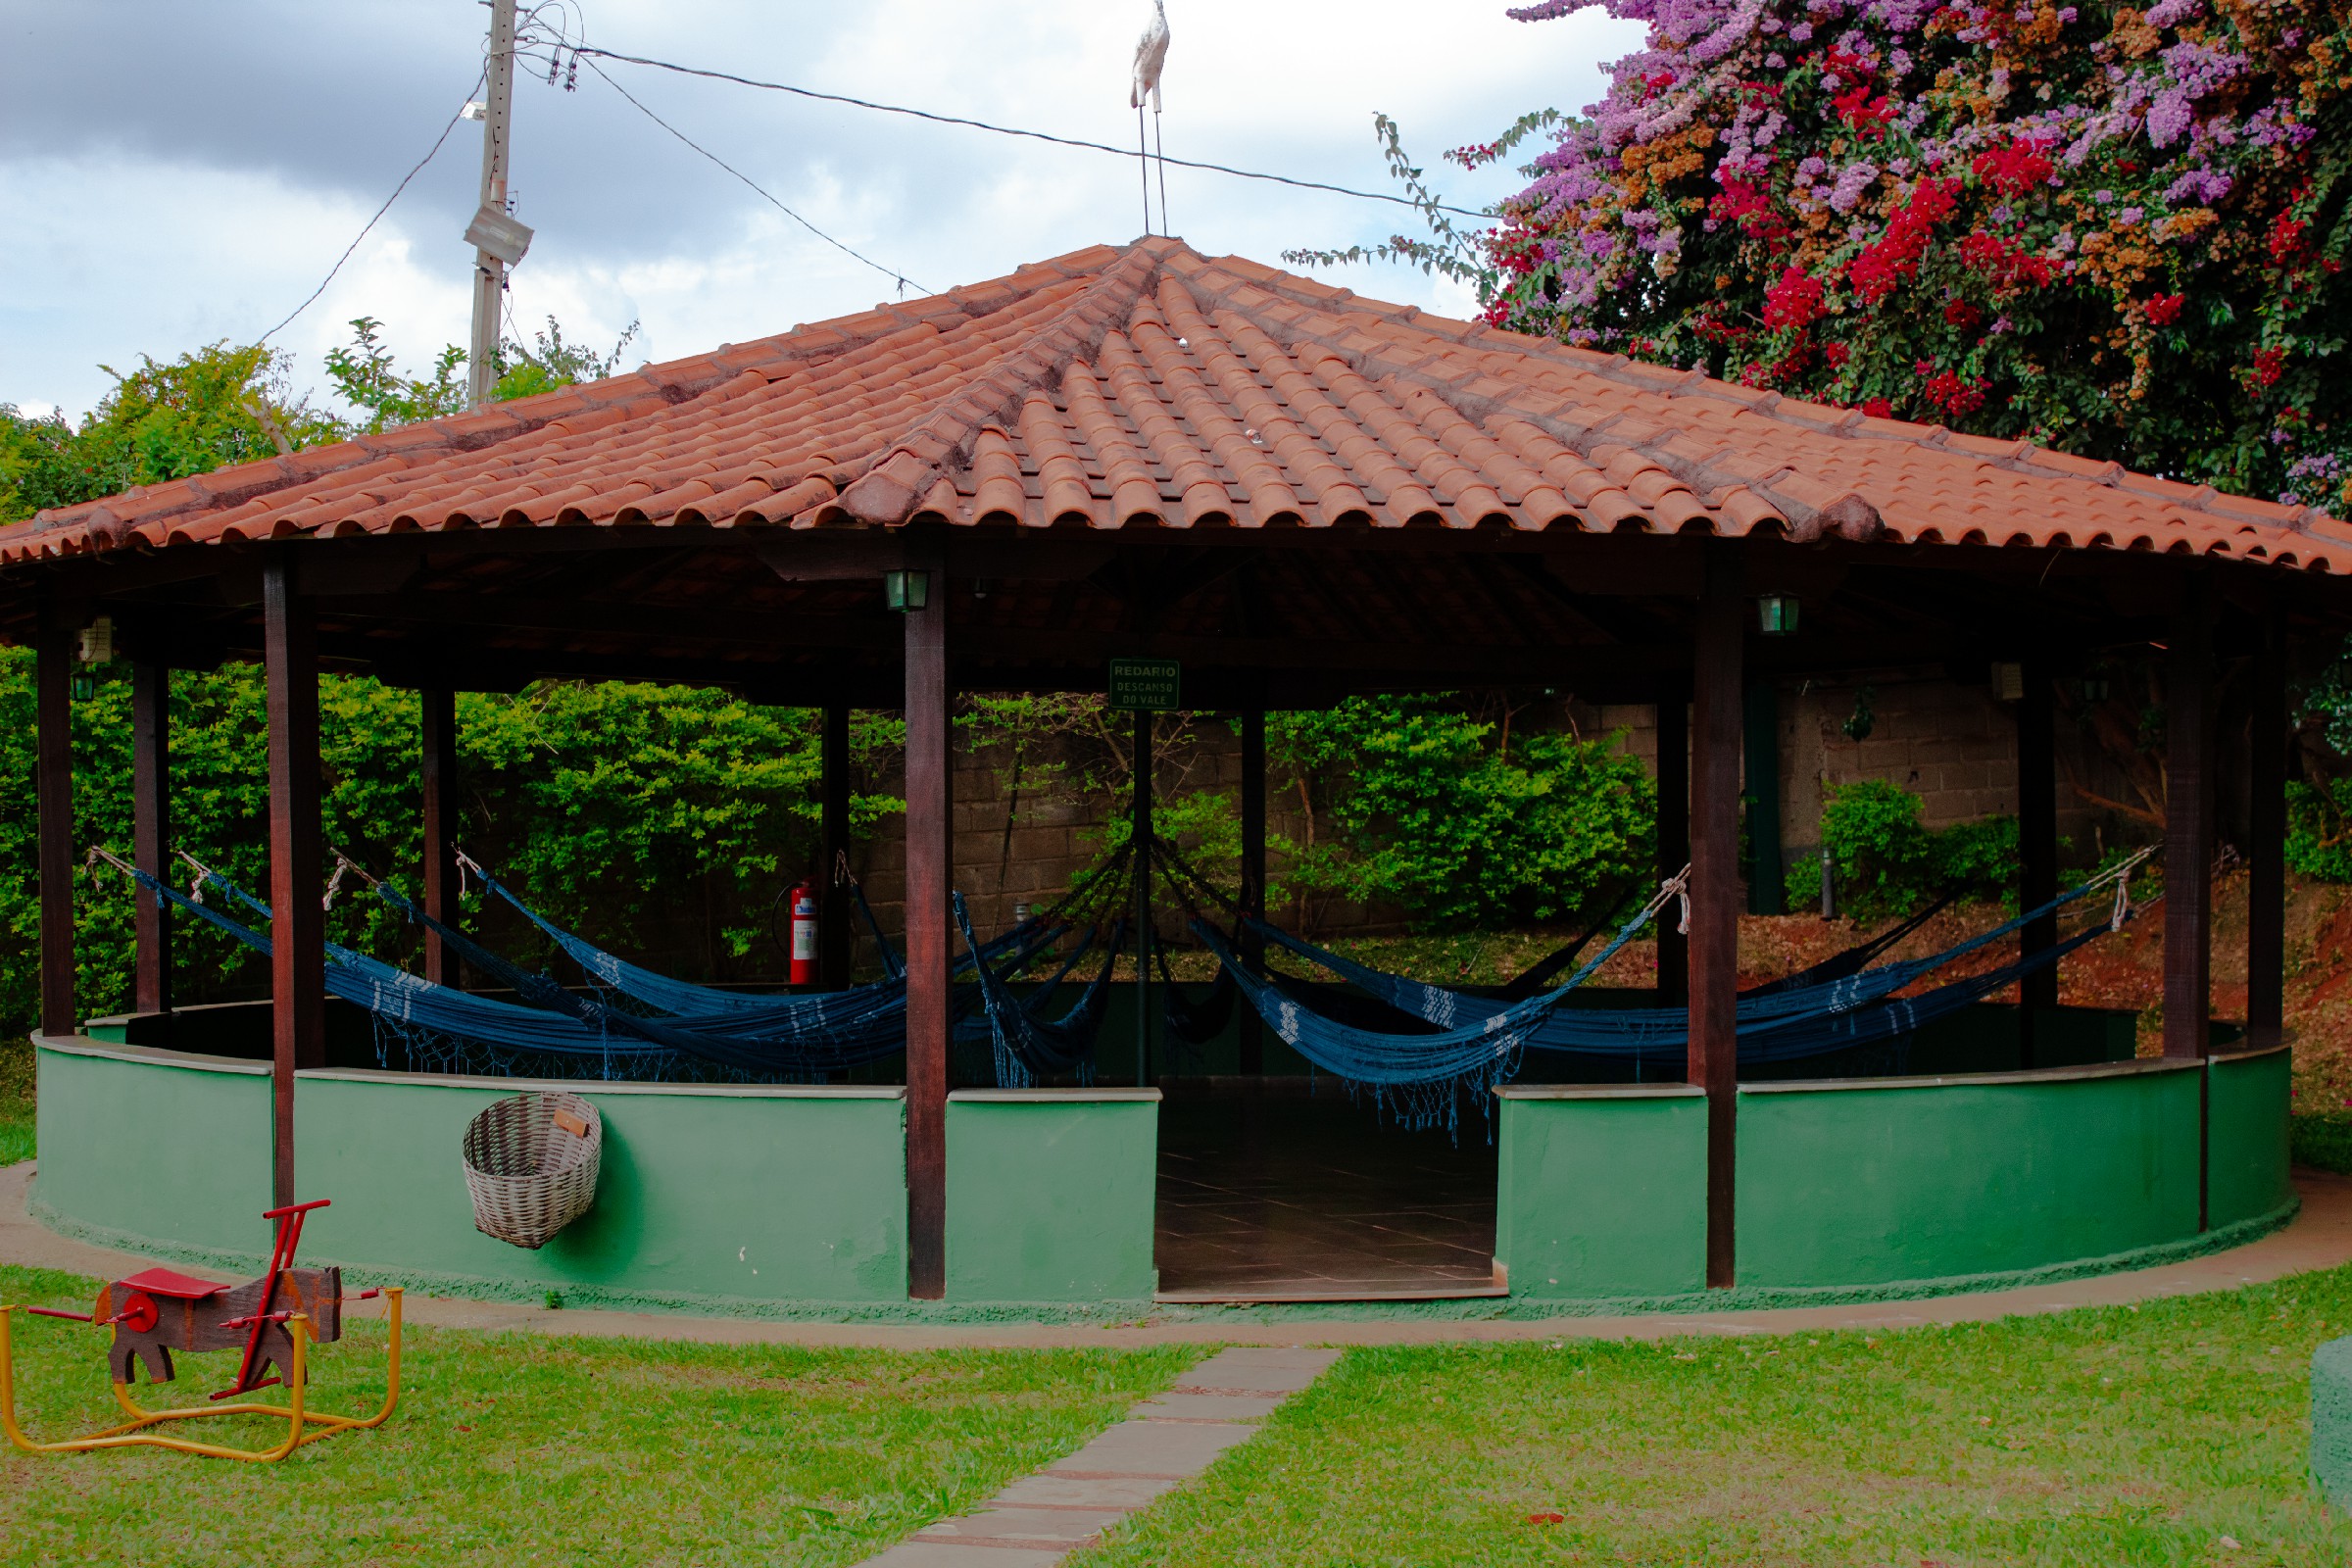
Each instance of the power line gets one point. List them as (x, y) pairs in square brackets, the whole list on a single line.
[(371, 222), (1011, 131), (900, 278)]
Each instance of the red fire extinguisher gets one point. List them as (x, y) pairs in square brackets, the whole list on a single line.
[(802, 898)]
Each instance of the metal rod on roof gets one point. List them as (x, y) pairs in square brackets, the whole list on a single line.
[(1143, 164), (489, 272)]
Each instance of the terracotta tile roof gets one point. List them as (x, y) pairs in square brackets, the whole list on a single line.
[(1149, 386)]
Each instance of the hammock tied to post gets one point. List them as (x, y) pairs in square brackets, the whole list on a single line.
[(1855, 1005), (555, 1031)]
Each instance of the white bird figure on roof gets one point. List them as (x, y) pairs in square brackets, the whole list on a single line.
[(1151, 54)]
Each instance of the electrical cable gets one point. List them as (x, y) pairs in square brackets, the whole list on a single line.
[(903, 281), (1010, 130), (438, 142)]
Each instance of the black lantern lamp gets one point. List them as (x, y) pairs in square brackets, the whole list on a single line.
[(905, 590), (1776, 614)]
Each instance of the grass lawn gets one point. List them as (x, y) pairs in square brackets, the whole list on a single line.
[(16, 1100), (2092, 1438), (520, 1449)]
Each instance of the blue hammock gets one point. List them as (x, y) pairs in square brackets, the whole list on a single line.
[(1418, 1075), (566, 1026), (1627, 1030), (1029, 1046)]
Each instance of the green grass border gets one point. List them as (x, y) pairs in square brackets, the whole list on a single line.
[(1694, 1304)]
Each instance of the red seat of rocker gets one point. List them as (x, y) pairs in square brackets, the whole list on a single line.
[(180, 1287)]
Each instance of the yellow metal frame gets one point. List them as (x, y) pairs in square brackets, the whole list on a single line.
[(134, 1434)]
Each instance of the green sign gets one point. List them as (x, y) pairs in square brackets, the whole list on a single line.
[(1147, 685)]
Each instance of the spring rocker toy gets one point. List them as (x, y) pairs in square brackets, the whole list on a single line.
[(273, 1320)]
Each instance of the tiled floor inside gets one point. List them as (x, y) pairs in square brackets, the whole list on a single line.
[(1298, 1198)]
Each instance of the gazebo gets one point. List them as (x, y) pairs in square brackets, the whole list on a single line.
[(1295, 493)]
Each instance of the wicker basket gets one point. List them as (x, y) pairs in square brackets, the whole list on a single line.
[(531, 1164)]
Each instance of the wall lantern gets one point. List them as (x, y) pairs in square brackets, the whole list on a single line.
[(2094, 688), (83, 686), (905, 590), (2008, 681), (1776, 614)]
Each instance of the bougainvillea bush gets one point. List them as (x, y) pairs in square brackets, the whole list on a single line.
[(2112, 230)]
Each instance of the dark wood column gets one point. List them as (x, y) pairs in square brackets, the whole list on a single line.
[(2188, 826), (836, 932), (53, 789), (438, 774), (1767, 881), (1714, 1048), (151, 828), (2036, 842), (2266, 854), (929, 818), (1673, 718), (1139, 833), (297, 885), (1253, 875)]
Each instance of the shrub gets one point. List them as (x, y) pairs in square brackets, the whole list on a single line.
[(1888, 863)]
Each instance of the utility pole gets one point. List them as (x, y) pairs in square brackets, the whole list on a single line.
[(492, 231)]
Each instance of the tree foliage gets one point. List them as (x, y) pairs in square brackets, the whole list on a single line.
[(2113, 230)]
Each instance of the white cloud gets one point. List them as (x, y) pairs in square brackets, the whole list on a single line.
[(117, 248)]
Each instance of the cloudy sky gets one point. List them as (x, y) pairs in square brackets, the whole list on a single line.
[(173, 174)]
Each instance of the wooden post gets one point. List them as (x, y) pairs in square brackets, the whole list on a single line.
[(1767, 880), (1714, 1045), (929, 1004), (297, 886), (2188, 827), (2037, 843), (837, 933), (438, 774), (1139, 833), (2266, 854), (1253, 875), (151, 828), (1674, 828), (53, 789)]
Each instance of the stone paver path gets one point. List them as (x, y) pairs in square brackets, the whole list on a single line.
[(1163, 1443)]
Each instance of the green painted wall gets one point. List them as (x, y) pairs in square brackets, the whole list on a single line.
[(1865, 1185), (2332, 1421), (2247, 1133), (705, 1192), (1602, 1192), (1050, 1194), (170, 1149)]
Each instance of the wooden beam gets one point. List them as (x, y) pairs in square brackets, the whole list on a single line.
[(1714, 1046), (2265, 852), (52, 790), (298, 924), (837, 932), (1254, 874), (151, 829), (2188, 827), (438, 774), (929, 1006), (1673, 726), (2036, 841)]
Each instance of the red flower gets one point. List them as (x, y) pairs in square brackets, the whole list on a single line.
[(2016, 168), (1837, 354), (1878, 409), (1962, 314), (1793, 303), (1895, 257), (2006, 263), (2269, 365), (1947, 391), (2286, 238), (2165, 309), (1864, 113)]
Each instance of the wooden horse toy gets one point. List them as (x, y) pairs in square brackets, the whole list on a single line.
[(273, 1321)]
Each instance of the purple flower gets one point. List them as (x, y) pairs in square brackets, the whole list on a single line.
[(2131, 215), (1852, 181), (2173, 13)]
